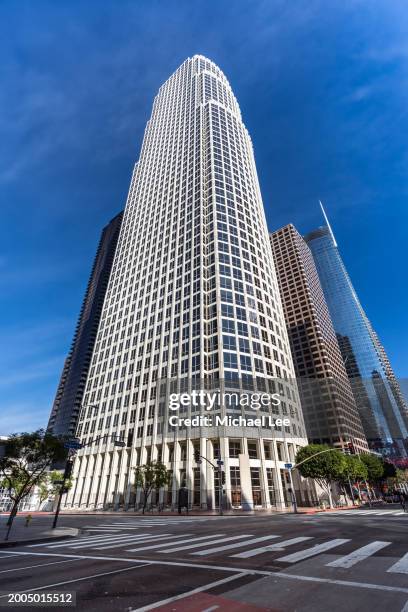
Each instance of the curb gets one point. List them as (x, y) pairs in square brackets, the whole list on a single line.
[(13, 543)]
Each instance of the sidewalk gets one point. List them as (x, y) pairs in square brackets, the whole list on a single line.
[(305, 510), (32, 534)]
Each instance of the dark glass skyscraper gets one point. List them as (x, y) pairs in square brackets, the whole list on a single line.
[(382, 408), (68, 399)]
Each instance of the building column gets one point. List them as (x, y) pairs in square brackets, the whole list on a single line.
[(203, 475), (266, 502), (280, 499), (210, 493)]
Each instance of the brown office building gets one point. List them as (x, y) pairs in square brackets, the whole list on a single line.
[(328, 404)]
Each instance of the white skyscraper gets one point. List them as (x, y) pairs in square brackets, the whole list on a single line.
[(192, 302)]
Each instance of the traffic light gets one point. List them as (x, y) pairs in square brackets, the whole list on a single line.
[(349, 449), (197, 458), (223, 477)]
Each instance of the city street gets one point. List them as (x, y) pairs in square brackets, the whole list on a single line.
[(345, 560)]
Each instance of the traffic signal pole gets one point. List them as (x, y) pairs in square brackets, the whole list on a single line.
[(198, 458), (67, 474)]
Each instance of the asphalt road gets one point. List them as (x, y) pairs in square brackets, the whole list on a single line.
[(337, 562)]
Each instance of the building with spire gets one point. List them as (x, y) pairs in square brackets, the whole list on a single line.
[(380, 402), (328, 404), (192, 304)]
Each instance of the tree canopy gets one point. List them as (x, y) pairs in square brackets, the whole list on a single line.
[(27, 457), (375, 467), (321, 463)]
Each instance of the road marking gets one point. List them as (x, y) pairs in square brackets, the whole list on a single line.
[(359, 555), (205, 587), (221, 568), (56, 584), (133, 540), (401, 566), (310, 552), (17, 569), (280, 546), (85, 541), (162, 545), (405, 608), (116, 540), (218, 541), (361, 585), (111, 529), (68, 541), (209, 551)]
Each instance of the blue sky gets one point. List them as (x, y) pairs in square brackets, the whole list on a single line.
[(323, 91)]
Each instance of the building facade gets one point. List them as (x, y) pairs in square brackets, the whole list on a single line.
[(192, 304), (67, 403), (381, 405), (328, 404)]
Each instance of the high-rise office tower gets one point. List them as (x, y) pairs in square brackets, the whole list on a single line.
[(192, 300), (328, 404), (67, 404), (379, 400)]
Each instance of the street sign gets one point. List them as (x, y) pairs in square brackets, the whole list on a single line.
[(288, 466), (73, 444), (119, 443), (219, 462)]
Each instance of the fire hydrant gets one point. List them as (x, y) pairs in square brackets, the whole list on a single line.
[(28, 520)]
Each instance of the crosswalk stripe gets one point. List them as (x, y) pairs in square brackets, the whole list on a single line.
[(358, 555), (177, 543), (310, 552), (90, 542), (279, 546), (130, 540), (163, 544), (111, 529), (118, 539), (400, 567), (67, 542), (218, 541), (209, 551)]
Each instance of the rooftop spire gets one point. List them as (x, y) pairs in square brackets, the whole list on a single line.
[(327, 223)]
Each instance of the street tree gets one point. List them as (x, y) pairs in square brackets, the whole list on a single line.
[(355, 471), (323, 464), (27, 458), (51, 484), (150, 477), (375, 467)]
